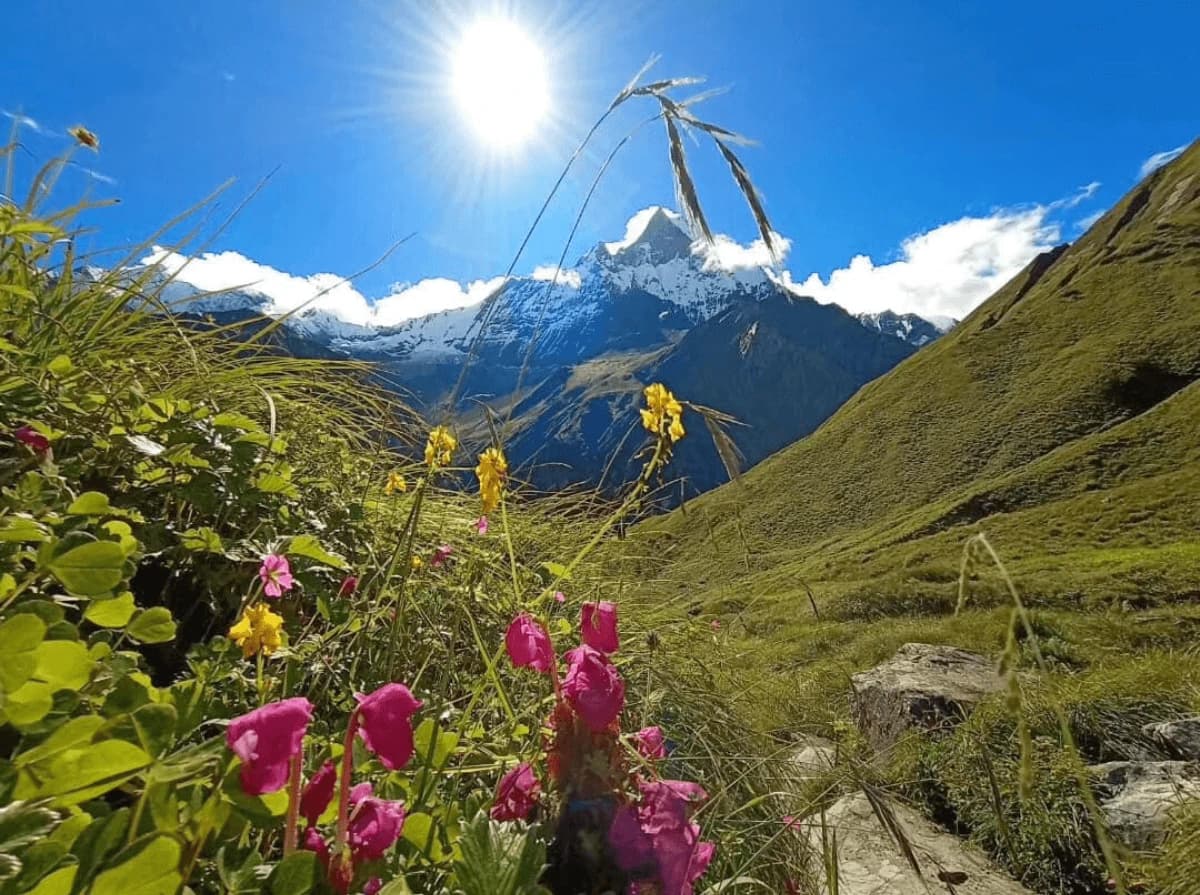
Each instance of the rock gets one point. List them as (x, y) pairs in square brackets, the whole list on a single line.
[(923, 686), (815, 757), (1179, 738), (870, 862), (1137, 797)]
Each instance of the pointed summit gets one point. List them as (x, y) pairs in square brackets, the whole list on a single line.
[(655, 235)]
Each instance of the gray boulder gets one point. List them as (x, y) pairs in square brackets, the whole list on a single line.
[(816, 756), (870, 862), (928, 687), (1179, 738), (1137, 797)]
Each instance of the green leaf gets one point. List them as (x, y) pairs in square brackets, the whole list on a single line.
[(262, 810), (155, 725), (100, 840), (57, 883), (420, 830), (29, 704), (398, 886), (150, 868), (499, 859), (90, 569), (557, 570), (114, 613), (153, 625), (60, 366), (19, 639), (22, 530), (434, 746), (297, 874), (63, 664), (310, 548), (22, 824), (76, 775), (272, 483), (75, 733), (234, 421), (95, 503), (201, 540)]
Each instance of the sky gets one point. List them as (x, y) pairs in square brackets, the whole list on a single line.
[(913, 156)]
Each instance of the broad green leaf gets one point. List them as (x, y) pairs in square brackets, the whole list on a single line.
[(19, 639), (150, 868), (57, 883), (22, 824), (398, 886), (262, 810), (153, 625), (155, 725), (60, 366), (76, 775), (202, 540), (90, 569), (557, 570), (99, 840), (234, 421), (8, 584), (273, 483), (433, 745), (29, 704), (310, 548), (114, 613), (63, 664), (297, 874), (95, 503), (420, 830), (22, 530), (75, 733)]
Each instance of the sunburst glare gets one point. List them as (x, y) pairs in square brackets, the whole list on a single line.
[(499, 82)]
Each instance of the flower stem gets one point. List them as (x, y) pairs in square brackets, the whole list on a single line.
[(343, 816), (291, 829)]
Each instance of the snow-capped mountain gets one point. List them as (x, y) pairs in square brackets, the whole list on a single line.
[(568, 355)]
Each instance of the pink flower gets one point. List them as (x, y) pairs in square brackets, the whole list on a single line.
[(656, 841), (349, 586), (266, 740), (481, 525), (649, 742), (441, 555), (716, 624), (374, 827), (33, 439), (385, 722), (318, 793), (516, 794), (315, 842), (593, 687), (528, 644), (598, 626), (560, 597), (633, 848), (792, 823), (374, 884), (276, 575)]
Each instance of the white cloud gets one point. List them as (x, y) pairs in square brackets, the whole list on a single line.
[(96, 175), (944, 272), (637, 224), (729, 254), (1085, 223), (565, 277), (26, 121), (216, 271), (1159, 159)]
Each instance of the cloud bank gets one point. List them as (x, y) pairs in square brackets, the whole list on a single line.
[(1159, 159)]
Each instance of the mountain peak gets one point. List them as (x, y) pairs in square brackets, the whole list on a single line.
[(654, 234)]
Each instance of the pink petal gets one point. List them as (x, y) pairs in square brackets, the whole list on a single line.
[(598, 626), (266, 740), (593, 687), (385, 722), (528, 644)]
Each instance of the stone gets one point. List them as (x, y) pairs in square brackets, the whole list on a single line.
[(1137, 797), (1179, 738), (816, 756), (870, 862), (931, 688)]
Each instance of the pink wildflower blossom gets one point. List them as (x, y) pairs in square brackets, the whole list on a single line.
[(276, 575), (593, 687), (349, 586), (649, 742), (318, 793), (528, 644), (374, 884), (598, 626), (375, 825), (313, 841), (266, 740), (560, 597), (441, 555), (656, 841), (385, 722), (516, 794), (33, 439), (481, 525)]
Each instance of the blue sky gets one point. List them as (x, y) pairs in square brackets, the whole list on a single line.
[(877, 122)]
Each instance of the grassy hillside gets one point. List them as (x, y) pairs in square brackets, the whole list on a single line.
[(1061, 420)]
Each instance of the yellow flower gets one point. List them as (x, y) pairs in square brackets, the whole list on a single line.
[(85, 137), (491, 471), (395, 482), (258, 630), (663, 411), (440, 447), (417, 562)]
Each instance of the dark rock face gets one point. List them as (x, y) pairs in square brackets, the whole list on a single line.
[(923, 687), (1179, 738)]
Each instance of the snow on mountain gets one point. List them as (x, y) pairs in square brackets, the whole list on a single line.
[(909, 328)]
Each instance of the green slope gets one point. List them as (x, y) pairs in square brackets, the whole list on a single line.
[(1061, 418)]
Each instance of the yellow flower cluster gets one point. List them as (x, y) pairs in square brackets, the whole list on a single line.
[(491, 471), (416, 562), (258, 630), (440, 447), (663, 411), (395, 482)]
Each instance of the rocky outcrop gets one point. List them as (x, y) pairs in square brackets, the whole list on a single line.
[(1137, 797), (1179, 738), (928, 687), (815, 757), (871, 863)]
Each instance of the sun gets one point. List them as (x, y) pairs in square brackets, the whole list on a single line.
[(499, 82)]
